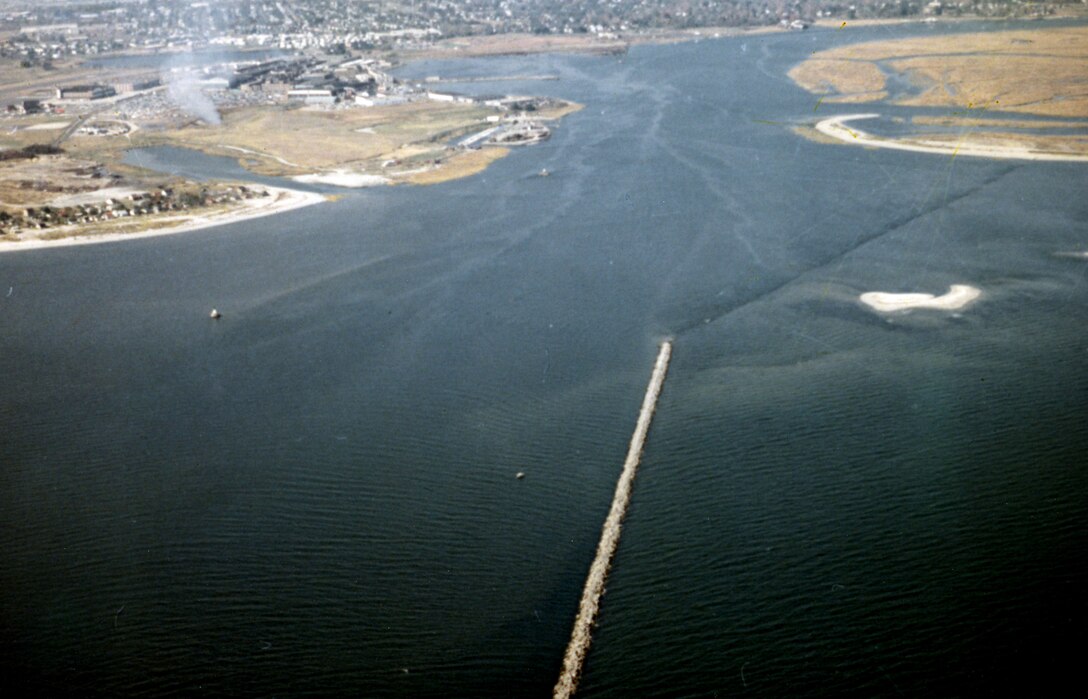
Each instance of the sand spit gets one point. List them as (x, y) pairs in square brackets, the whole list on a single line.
[(610, 536), (342, 178), (958, 296), (278, 201), (835, 127)]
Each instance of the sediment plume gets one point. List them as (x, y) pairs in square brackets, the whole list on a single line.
[(610, 536)]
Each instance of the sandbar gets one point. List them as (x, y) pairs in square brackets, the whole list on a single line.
[(835, 127), (958, 296), (278, 201)]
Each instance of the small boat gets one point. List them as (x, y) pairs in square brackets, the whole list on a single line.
[(544, 172), (215, 314), (520, 475)]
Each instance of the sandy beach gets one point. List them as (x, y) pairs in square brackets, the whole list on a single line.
[(958, 296), (835, 127), (280, 200)]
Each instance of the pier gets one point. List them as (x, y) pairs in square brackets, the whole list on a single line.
[(580, 636)]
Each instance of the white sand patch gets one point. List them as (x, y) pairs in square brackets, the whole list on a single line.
[(342, 178), (278, 201), (836, 128), (958, 296)]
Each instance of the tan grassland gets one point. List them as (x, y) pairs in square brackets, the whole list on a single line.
[(1028, 72), (857, 97), (1038, 71), (1033, 84), (463, 164), (404, 142), (279, 141), (1054, 41), (969, 122), (844, 77)]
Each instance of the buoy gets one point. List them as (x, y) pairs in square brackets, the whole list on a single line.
[(215, 314), (520, 475)]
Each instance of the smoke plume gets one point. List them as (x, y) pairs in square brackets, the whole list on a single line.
[(183, 88)]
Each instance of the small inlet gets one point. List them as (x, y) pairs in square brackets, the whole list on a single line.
[(610, 536)]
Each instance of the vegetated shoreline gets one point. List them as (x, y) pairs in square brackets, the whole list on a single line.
[(835, 128), (280, 200)]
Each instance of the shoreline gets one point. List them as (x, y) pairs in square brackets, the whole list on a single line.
[(836, 128), (958, 296), (280, 200)]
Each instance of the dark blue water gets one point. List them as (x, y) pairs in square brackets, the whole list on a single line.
[(316, 495)]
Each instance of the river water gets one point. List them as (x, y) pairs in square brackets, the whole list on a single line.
[(316, 494)]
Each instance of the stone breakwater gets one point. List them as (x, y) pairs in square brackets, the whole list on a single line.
[(610, 536)]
